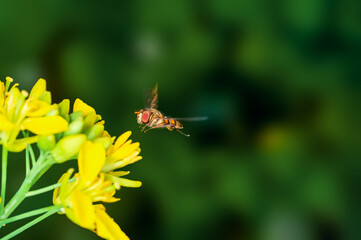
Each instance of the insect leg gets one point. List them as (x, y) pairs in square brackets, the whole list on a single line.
[(143, 128), (170, 128), (162, 126), (187, 135), (148, 130)]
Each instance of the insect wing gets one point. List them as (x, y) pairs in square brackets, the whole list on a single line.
[(192, 119), (153, 100)]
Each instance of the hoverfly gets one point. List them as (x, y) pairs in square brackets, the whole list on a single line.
[(152, 118)]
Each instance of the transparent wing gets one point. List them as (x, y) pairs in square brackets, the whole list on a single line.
[(192, 119), (153, 100)]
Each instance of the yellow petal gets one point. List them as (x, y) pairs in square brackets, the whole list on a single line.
[(106, 227), (124, 151), (79, 105), (128, 183), (106, 198), (83, 210), (38, 108), (119, 173), (5, 124), (38, 89), (110, 166), (20, 144), (62, 189), (90, 161), (121, 139), (45, 125)]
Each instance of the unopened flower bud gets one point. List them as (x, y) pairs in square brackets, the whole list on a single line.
[(64, 108), (46, 97), (68, 147), (75, 127), (104, 141), (89, 120), (53, 112), (94, 131), (46, 142), (75, 115)]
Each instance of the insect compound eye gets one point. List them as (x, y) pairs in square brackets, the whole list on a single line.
[(145, 116)]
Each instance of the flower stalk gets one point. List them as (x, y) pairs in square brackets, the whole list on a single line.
[(4, 162), (46, 189), (28, 214), (35, 173), (31, 223)]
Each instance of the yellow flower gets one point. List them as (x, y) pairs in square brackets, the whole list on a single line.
[(97, 182), (21, 111), (90, 186), (119, 155), (78, 203)]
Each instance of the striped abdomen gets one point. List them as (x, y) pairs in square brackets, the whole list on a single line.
[(172, 123)]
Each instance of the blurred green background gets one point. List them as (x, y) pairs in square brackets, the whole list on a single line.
[(279, 157)]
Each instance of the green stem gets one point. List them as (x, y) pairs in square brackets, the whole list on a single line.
[(29, 149), (3, 178), (30, 224), (35, 173), (32, 155), (28, 214), (46, 189), (27, 161)]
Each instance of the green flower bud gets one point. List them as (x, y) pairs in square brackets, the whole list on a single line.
[(89, 120), (46, 142), (75, 115), (64, 107), (46, 97), (75, 127), (53, 112), (68, 147), (94, 131), (106, 142)]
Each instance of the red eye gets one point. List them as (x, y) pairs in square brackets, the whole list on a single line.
[(145, 116)]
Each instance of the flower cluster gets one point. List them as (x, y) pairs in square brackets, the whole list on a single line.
[(22, 111), (97, 180), (62, 135)]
